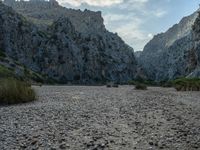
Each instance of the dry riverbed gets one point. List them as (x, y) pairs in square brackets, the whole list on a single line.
[(100, 118)]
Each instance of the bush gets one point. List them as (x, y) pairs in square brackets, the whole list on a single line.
[(115, 85), (132, 82), (111, 84), (13, 91), (6, 72), (166, 84), (108, 85), (140, 86), (146, 82), (2, 54), (187, 84)]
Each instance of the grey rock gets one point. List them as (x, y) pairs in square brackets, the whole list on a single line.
[(66, 45), (171, 54)]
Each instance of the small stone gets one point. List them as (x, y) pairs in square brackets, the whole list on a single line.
[(156, 144), (63, 146), (102, 145), (161, 147), (34, 142), (23, 146), (150, 143)]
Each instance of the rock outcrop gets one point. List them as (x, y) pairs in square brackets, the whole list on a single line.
[(171, 54), (70, 46), (195, 55)]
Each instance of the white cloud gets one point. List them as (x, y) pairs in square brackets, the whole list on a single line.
[(135, 36), (129, 18), (134, 5), (129, 30), (100, 3), (138, 1), (110, 18), (160, 13), (150, 35), (140, 6)]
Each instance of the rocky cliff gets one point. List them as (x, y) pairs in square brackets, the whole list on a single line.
[(171, 54), (67, 46), (195, 61)]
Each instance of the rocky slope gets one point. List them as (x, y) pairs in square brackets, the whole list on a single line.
[(196, 48), (18, 39), (72, 46), (171, 54)]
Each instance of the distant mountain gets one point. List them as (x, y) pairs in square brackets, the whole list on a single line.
[(65, 45), (171, 54)]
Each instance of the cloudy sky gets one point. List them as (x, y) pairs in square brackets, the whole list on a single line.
[(136, 21)]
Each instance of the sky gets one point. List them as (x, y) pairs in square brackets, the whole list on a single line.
[(137, 21)]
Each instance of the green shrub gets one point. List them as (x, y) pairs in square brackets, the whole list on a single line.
[(115, 85), (146, 82), (13, 91), (108, 86), (42, 34), (166, 84), (111, 84), (132, 82), (2, 54), (29, 74), (140, 86), (6, 72), (187, 84)]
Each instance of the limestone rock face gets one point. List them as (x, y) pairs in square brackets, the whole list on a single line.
[(171, 54), (75, 47), (43, 14), (18, 38), (196, 48)]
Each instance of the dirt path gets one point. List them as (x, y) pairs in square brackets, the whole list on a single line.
[(98, 118)]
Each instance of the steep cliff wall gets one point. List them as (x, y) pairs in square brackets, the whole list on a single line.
[(196, 48), (75, 47), (169, 55)]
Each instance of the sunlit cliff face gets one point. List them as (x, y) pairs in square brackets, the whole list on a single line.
[(137, 21)]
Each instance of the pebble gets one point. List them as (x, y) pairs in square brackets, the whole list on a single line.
[(102, 119)]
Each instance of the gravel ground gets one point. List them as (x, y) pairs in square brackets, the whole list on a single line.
[(100, 118)]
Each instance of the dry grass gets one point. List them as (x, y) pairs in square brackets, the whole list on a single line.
[(13, 91)]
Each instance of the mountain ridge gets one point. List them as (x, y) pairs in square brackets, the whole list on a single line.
[(166, 56), (66, 53)]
